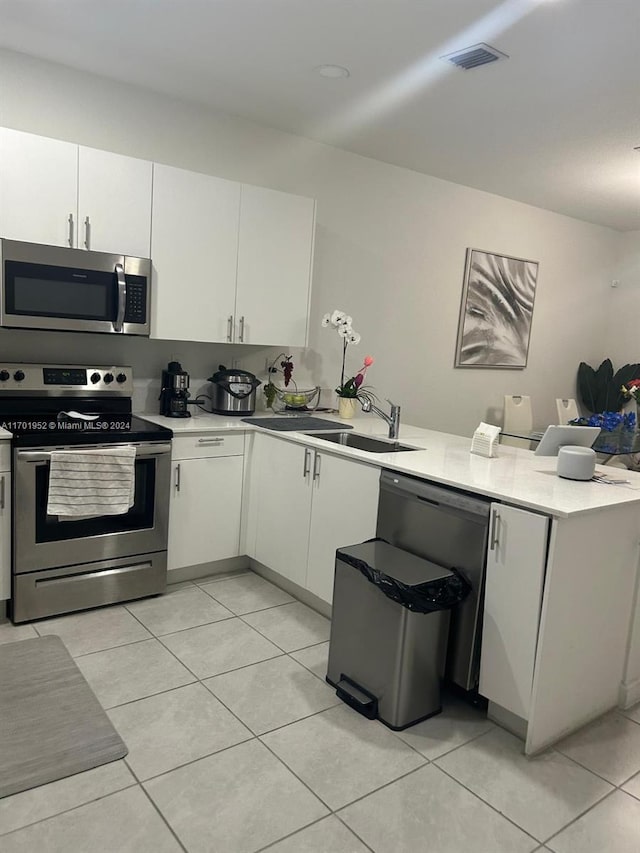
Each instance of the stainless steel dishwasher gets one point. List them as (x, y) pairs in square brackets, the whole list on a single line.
[(450, 528)]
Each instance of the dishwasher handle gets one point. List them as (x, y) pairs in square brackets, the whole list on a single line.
[(445, 498)]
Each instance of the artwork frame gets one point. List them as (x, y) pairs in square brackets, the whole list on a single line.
[(496, 311)]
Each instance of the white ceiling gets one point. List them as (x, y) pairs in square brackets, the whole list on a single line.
[(554, 125)]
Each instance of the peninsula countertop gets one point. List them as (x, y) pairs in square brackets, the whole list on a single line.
[(516, 476)]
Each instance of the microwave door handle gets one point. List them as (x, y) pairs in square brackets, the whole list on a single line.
[(122, 298)]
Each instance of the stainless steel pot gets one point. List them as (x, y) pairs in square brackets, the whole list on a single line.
[(233, 391)]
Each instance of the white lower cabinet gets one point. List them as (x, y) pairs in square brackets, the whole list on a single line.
[(284, 506), (309, 503), (205, 506), (516, 562), (5, 535), (345, 510)]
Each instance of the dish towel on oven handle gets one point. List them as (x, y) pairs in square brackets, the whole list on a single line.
[(91, 483)]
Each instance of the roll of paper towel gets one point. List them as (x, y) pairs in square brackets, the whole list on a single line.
[(576, 463)]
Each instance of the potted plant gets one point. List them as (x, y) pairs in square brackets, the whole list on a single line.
[(601, 390), (350, 389)]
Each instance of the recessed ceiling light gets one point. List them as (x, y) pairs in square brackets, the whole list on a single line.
[(333, 72)]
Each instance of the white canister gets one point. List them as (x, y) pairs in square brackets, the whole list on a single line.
[(576, 463)]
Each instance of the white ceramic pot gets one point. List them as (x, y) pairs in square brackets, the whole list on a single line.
[(347, 407)]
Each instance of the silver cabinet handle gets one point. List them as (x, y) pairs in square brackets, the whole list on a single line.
[(316, 466), (241, 335), (122, 298), (2, 492), (87, 232), (210, 440), (495, 527), (307, 463), (70, 237), (176, 478), (230, 328)]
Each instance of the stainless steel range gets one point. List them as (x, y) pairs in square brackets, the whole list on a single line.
[(60, 564)]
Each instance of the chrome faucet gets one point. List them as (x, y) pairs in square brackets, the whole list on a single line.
[(393, 418)]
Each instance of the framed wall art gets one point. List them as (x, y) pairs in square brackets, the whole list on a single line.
[(496, 310)]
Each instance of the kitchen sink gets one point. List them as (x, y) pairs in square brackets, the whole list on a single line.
[(364, 442)]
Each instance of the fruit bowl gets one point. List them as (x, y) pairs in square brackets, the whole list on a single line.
[(295, 398)]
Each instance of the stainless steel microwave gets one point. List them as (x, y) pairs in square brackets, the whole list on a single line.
[(71, 290)]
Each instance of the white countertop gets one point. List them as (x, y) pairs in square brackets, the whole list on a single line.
[(516, 476)]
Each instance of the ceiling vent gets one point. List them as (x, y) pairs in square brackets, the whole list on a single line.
[(474, 56)]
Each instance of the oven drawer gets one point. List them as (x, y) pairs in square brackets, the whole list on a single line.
[(5, 455), (209, 444), (64, 590)]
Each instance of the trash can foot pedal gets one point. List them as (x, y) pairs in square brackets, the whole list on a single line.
[(357, 697)]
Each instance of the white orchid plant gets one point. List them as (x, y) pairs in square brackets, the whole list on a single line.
[(342, 323)]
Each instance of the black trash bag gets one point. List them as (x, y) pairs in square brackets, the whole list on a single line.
[(440, 594)]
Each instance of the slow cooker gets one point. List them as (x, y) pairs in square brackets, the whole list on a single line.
[(233, 391)]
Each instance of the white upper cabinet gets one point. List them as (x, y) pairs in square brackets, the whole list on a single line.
[(194, 249), (38, 188), (114, 203), (231, 262), (275, 255)]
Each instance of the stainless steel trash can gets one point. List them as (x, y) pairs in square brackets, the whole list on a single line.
[(385, 660)]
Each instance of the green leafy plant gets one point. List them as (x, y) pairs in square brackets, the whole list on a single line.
[(601, 390)]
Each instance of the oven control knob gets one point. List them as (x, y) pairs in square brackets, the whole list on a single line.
[(95, 377), (108, 377), (4, 375), (121, 377), (18, 375)]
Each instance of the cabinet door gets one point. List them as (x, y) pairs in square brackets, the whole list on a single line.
[(204, 521), (284, 506), (274, 267), (515, 577), (344, 512), (114, 203), (5, 536), (38, 189), (194, 247)]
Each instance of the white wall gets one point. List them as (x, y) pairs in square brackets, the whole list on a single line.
[(390, 248), (623, 303)]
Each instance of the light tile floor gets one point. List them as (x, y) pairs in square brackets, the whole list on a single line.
[(237, 745)]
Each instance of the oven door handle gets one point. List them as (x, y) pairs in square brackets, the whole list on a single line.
[(122, 298), (45, 456)]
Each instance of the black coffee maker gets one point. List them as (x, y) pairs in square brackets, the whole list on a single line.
[(174, 393)]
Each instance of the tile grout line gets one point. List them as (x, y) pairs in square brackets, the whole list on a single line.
[(112, 648), (258, 609), (492, 807), (132, 784), (272, 844), (319, 643), (435, 758), (350, 829), (580, 816), (589, 769), (324, 803), (155, 807)]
